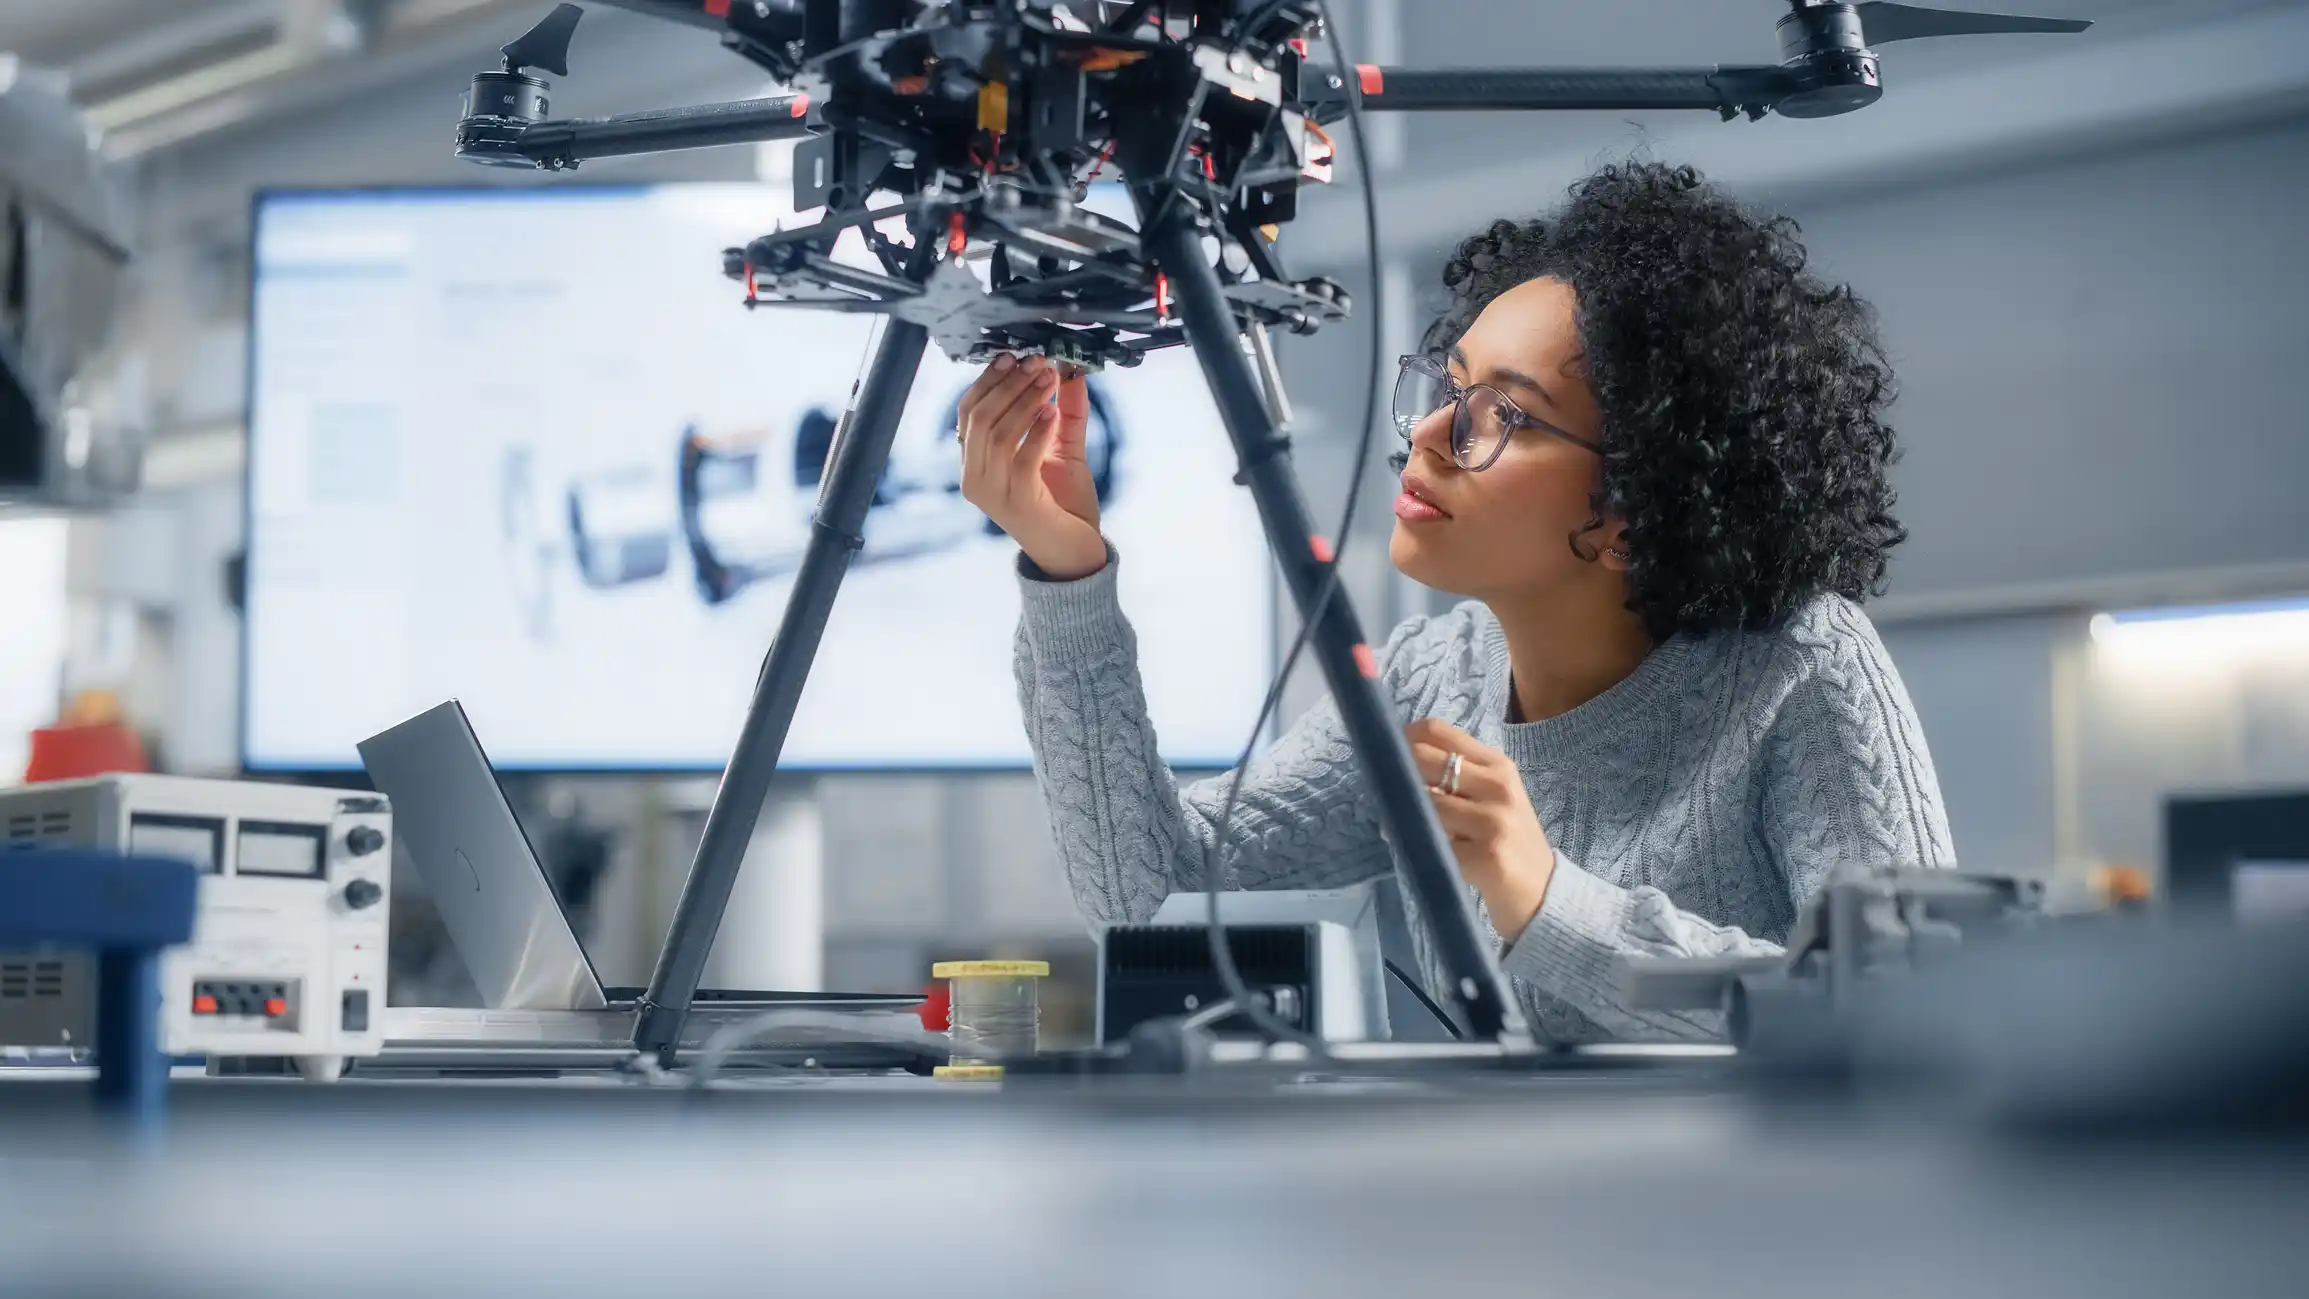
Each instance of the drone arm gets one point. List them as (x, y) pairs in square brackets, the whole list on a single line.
[(689, 13), (1723, 90), (885, 288), (565, 143)]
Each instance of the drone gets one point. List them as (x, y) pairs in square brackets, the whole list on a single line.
[(995, 118), (959, 141)]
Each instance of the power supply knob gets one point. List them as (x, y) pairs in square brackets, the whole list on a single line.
[(362, 840), (363, 893)]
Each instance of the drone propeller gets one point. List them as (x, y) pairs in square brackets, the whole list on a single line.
[(1885, 23), (547, 44)]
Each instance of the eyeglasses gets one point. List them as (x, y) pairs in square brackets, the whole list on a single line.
[(1482, 417)]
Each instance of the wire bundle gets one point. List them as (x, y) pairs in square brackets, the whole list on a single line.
[(994, 1009)]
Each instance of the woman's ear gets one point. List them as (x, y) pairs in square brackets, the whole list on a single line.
[(1613, 538)]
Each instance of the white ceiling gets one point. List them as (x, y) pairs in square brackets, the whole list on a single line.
[(59, 33)]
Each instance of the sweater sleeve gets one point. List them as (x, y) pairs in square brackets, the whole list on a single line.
[(1127, 834), (1845, 779)]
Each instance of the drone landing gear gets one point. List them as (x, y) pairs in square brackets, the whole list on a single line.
[(1346, 658), (836, 533)]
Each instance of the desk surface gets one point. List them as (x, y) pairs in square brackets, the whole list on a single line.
[(1569, 1185)]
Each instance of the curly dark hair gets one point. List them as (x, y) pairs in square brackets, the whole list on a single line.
[(1742, 397)]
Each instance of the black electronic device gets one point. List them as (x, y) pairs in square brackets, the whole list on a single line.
[(2242, 856), (1314, 959), (1149, 972), (974, 125)]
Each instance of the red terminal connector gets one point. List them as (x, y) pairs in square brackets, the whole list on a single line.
[(936, 1010), (204, 1004), (275, 1007)]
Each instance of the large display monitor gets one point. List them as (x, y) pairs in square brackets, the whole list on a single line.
[(524, 448)]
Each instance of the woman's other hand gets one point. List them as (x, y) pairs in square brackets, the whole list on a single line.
[(1502, 850)]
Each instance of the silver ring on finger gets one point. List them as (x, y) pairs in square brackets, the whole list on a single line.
[(1452, 762)]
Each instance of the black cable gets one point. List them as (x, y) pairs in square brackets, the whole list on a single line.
[(1254, 1007), (1411, 986), (833, 1029)]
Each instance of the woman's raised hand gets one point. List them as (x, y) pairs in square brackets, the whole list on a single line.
[(1024, 429)]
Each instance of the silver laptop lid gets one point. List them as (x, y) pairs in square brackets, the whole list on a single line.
[(462, 836)]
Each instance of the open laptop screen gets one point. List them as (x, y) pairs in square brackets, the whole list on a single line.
[(453, 819), (485, 877)]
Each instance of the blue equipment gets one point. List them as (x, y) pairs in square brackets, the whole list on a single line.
[(125, 909)]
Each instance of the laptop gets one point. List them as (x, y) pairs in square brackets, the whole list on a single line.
[(453, 819)]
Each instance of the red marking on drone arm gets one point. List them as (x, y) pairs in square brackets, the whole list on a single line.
[(1374, 81), (1162, 295), (1100, 165), (957, 238), (801, 106), (1365, 660), (718, 8), (749, 281), (1322, 548)]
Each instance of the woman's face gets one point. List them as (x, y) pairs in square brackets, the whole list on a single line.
[(1501, 533)]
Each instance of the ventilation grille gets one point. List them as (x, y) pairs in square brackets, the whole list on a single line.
[(31, 980), (1263, 953), (32, 829)]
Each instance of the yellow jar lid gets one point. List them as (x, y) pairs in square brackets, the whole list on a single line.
[(968, 1072), (990, 970)]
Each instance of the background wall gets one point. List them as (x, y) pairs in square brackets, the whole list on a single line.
[(2099, 366), (2087, 255), (32, 559)]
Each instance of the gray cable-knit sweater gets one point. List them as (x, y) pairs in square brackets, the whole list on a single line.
[(1693, 807)]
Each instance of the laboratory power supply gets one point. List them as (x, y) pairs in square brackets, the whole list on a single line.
[(288, 952)]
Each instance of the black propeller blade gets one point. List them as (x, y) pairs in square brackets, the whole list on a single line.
[(547, 44), (1885, 23)]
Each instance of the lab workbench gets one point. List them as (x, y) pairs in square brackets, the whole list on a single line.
[(1667, 1181)]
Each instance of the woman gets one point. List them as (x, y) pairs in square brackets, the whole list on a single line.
[(1650, 448)]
